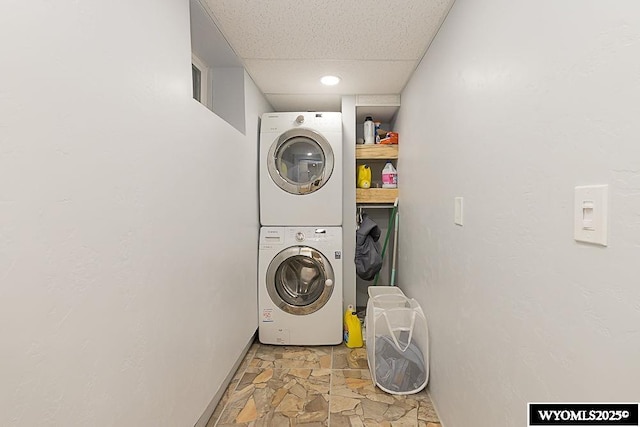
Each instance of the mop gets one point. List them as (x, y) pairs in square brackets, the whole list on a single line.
[(392, 219), (395, 251)]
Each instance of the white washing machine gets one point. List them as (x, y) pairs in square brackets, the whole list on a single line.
[(300, 285), (301, 169)]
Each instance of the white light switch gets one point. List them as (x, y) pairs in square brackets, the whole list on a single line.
[(590, 214), (587, 215), (458, 216)]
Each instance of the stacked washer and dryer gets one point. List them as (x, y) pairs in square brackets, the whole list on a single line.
[(300, 249)]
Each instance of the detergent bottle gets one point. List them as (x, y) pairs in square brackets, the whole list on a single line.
[(389, 176), (364, 176), (352, 328), (369, 131)]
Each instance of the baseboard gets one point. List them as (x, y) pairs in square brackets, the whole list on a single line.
[(435, 408), (204, 418)]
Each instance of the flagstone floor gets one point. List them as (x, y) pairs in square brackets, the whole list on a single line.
[(314, 386)]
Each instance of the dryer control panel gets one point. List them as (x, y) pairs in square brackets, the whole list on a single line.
[(320, 121)]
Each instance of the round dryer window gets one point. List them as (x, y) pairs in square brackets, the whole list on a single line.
[(300, 161), (300, 280)]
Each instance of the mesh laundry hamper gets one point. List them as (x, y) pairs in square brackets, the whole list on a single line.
[(397, 341)]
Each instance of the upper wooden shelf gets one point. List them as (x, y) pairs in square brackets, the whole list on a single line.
[(377, 151)]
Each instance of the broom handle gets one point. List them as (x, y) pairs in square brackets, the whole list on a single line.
[(395, 252), (386, 238)]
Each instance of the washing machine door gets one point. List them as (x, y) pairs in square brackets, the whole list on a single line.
[(300, 280), (300, 161)]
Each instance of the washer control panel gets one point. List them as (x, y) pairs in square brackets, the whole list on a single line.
[(278, 237), (311, 234)]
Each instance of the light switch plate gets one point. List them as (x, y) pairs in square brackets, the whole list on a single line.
[(591, 214), (459, 210)]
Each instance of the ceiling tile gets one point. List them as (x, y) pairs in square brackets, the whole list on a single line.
[(207, 42), (358, 77), (287, 45), (305, 102), (329, 29)]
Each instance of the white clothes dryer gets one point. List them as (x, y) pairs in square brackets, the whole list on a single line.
[(300, 285), (301, 169)]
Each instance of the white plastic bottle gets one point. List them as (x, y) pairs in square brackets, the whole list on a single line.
[(369, 131), (389, 176)]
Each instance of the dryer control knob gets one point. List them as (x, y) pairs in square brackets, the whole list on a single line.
[(328, 282), (299, 236), (300, 119)]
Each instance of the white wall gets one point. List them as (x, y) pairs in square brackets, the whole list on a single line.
[(514, 105), (227, 90), (128, 219)]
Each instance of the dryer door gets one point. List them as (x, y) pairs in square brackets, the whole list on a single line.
[(300, 280), (300, 161)]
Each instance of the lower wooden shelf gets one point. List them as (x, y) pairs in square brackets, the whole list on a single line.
[(376, 195)]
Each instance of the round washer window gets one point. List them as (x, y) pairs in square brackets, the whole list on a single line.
[(300, 280)]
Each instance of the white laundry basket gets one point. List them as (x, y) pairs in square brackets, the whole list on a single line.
[(397, 341)]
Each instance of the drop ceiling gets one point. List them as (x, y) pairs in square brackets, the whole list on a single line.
[(287, 46)]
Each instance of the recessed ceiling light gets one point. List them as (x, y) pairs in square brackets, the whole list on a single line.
[(330, 80)]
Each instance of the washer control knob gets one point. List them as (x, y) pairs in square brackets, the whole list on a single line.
[(299, 236), (300, 119), (328, 282)]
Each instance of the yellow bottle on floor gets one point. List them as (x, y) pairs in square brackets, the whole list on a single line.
[(352, 328)]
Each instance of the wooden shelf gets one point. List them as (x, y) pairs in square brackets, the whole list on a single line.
[(377, 151), (376, 195)]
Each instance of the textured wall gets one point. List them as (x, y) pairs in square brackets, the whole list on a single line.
[(514, 105), (128, 219)]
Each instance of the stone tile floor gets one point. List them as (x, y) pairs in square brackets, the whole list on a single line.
[(314, 386)]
